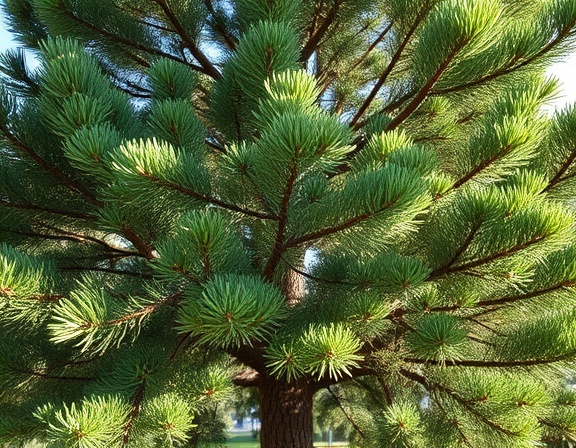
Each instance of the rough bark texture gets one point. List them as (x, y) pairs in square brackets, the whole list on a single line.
[(286, 414), (294, 287)]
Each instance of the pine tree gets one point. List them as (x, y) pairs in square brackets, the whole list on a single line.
[(362, 198)]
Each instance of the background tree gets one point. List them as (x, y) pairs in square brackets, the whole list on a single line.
[(171, 163)]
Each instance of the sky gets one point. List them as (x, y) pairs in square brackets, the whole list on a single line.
[(565, 70)]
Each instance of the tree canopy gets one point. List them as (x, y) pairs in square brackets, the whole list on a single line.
[(358, 200)]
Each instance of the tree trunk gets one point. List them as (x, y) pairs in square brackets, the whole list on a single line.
[(286, 414)]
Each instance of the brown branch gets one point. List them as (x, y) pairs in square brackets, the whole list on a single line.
[(129, 43), (382, 80), (463, 402), (82, 238), (478, 169), (251, 356), (279, 247), (247, 378), (465, 244), (398, 102), (504, 71), (328, 231), (387, 390), (141, 246), (456, 424), (317, 36), (326, 79), (372, 46), (207, 66), (229, 39), (496, 364), (208, 199), (45, 165), (46, 236), (136, 403), (424, 91), (440, 272), (525, 296), (187, 274), (346, 413), (184, 338), (561, 171), (314, 278), (108, 271), (46, 297), (137, 314), (483, 325), (55, 377), (293, 242), (40, 208), (460, 250)]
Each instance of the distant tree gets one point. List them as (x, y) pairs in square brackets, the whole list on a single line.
[(287, 195)]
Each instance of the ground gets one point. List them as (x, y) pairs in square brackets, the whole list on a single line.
[(244, 439)]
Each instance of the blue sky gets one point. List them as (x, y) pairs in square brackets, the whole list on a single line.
[(565, 70), (5, 40)]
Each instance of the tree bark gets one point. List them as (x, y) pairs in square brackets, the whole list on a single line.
[(286, 414)]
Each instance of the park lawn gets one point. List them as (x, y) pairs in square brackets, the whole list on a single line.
[(245, 440), (241, 440)]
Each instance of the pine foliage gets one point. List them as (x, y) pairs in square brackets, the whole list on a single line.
[(368, 198)]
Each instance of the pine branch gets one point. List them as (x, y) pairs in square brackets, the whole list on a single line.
[(464, 439), (141, 246), (483, 325), (47, 376), (228, 38), (561, 36), (279, 247), (495, 364), (345, 412), (372, 46), (319, 33), (464, 403), (382, 80), (561, 171), (108, 271), (48, 167), (208, 199), (556, 426), (188, 275), (478, 169), (463, 247), (326, 79), (207, 66), (443, 271), (127, 42), (525, 296), (137, 315), (424, 91), (136, 403), (293, 242), (43, 209), (81, 238), (247, 378)]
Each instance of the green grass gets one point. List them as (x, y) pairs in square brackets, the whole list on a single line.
[(245, 440), (242, 440)]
